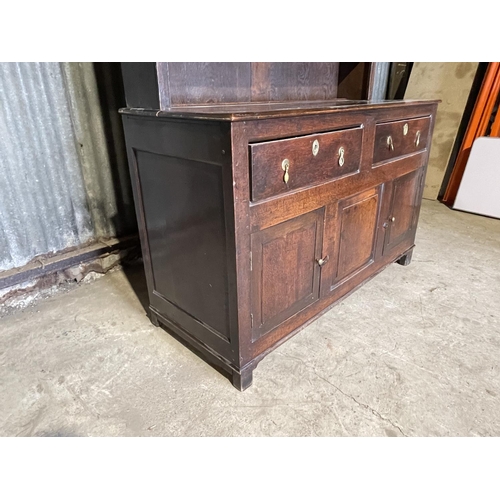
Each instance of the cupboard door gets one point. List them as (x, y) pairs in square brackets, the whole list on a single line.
[(352, 227), (285, 270), (404, 194)]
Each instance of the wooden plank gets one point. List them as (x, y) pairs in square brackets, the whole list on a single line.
[(495, 128), (471, 134)]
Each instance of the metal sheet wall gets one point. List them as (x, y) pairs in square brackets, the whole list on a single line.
[(380, 80), (63, 174)]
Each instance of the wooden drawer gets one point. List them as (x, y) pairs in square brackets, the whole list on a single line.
[(399, 138), (307, 160)]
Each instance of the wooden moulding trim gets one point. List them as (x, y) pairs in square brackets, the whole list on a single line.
[(271, 110)]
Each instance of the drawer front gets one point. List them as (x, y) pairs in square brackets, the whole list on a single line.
[(281, 166), (399, 138)]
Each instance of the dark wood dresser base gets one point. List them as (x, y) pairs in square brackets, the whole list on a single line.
[(257, 218)]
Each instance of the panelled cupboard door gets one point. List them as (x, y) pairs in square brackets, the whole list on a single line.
[(285, 270), (351, 237), (401, 223)]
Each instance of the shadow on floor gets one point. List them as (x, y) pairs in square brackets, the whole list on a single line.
[(201, 355), (134, 272)]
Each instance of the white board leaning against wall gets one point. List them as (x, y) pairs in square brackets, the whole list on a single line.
[(479, 190)]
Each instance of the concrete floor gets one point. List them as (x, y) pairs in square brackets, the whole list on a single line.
[(414, 352)]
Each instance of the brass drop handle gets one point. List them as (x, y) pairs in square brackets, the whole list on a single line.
[(390, 144), (341, 156), (405, 129), (285, 165), (323, 261), (417, 138)]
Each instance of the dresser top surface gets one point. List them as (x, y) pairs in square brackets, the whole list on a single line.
[(256, 111)]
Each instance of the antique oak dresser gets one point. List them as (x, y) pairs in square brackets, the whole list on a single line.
[(263, 199)]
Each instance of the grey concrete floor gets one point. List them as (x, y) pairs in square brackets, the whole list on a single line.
[(414, 352)]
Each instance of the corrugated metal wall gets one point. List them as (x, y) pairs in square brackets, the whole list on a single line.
[(63, 174), (380, 80)]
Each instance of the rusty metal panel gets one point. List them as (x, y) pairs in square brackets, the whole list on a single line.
[(63, 180)]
